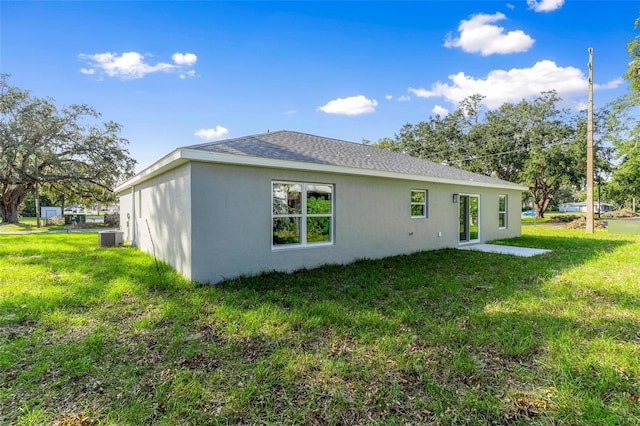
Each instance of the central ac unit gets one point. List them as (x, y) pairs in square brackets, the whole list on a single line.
[(110, 238)]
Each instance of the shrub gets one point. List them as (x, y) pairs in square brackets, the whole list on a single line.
[(112, 219)]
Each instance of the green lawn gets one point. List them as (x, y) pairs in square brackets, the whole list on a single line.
[(30, 224), (97, 335)]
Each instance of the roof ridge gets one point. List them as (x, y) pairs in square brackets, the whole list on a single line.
[(258, 135), (221, 141)]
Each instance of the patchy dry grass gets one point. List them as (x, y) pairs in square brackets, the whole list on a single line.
[(96, 336)]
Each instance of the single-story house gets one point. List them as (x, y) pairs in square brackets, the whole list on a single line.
[(582, 207), (286, 200)]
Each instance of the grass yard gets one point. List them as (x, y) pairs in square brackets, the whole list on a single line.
[(30, 224), (94, 335)]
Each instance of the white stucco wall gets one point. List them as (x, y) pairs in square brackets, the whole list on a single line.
[(157, 213), (126, 208), (232, 230)]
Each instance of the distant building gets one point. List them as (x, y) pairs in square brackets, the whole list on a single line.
[(582, 207), (47, 212)]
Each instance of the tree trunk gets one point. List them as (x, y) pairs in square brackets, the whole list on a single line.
[(9, 213), (10, 204)]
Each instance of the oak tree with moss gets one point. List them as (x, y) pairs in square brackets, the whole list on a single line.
[(60, 150)]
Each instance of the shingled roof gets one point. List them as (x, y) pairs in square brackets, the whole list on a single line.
[(294, 150), (306, 148)]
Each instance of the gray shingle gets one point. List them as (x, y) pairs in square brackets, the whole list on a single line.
[(295, 146)]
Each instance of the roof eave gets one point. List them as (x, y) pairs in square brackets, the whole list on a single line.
[(166, 163)]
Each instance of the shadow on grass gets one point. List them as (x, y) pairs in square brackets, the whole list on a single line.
[(445, 271), (70, 271), (460, 334), (18, 227)]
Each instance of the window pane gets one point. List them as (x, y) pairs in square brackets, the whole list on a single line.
[(319, 199), (473, 218), (501, 220), (287, 198), (417, 210), (286, 230), (417, 196), (318, 229), (502, 204)]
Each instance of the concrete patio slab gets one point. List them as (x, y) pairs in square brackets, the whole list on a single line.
[(516, 251)]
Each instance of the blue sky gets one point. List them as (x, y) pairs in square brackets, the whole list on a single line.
[(180, 73)]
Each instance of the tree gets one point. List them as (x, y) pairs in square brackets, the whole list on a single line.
[(633, 69), (61, 150), (625, 183), (625, 179), (499, 143), (440, 139), (530, 142), (552, 159)]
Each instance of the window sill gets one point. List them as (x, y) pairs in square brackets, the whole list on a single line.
[(290, 247)]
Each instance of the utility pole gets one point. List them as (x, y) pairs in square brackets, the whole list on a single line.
[(37, 196), (590, 148)]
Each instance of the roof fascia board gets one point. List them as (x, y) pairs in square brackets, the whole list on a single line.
[(166, 163), (182, 155)]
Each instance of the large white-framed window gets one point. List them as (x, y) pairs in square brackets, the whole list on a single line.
[(302, 214), (502, 211), (419, 203)]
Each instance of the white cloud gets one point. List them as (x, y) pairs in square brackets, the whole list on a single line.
[(510, 6), (188, 74), (613, 84), (424, 93), (352, 105), (133, 65), (441, 111), (501, 86), (290, 112), (210, 134), (404, 98), (388, 97), (477, 34), (184, 58), (545, 5)]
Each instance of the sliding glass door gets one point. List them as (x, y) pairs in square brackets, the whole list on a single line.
[(469, 218)]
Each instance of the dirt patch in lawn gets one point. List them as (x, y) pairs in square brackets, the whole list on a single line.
[(581, 223)]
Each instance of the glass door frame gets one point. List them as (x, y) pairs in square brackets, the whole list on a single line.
[(466, 218)]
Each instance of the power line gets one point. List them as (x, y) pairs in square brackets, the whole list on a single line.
[(496, 154)]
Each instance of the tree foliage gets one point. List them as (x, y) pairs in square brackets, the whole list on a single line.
[(625, 182), (61, 150), (633, 70), (534, 143)]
